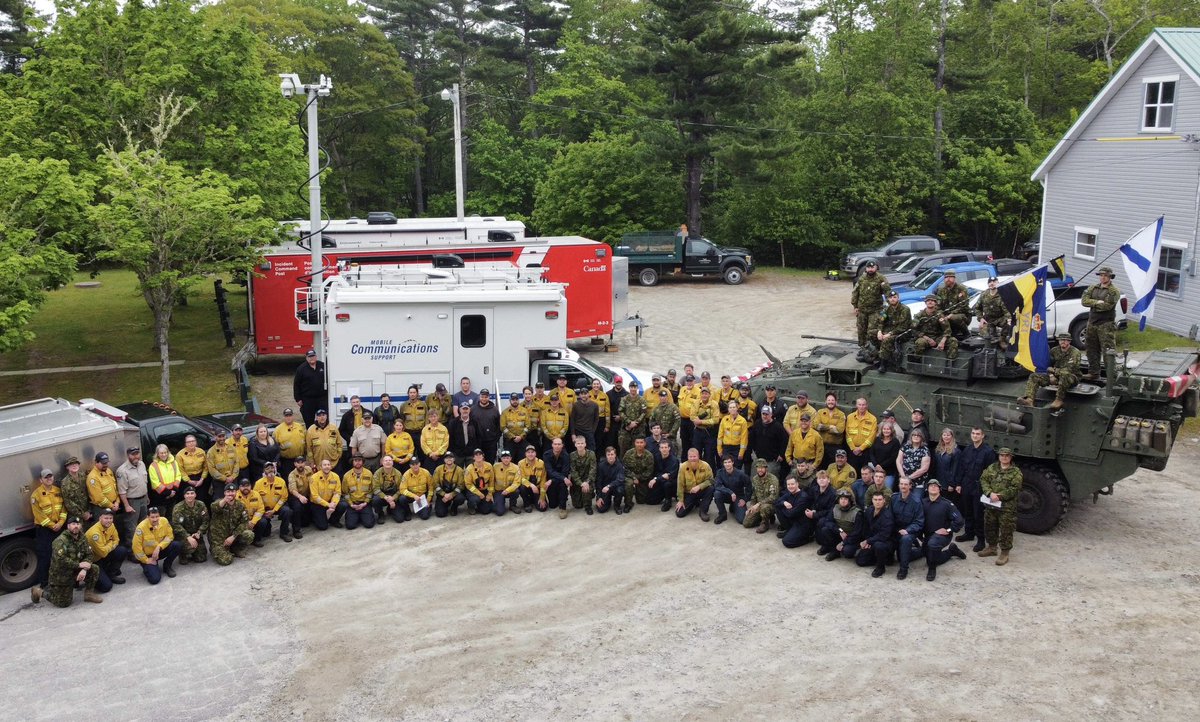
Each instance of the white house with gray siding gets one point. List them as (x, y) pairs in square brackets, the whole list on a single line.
[(1133, 155)]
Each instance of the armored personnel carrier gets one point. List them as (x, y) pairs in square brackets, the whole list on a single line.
[(1103, 434)]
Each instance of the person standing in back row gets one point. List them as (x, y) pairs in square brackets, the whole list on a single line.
[(308, 387), (1101, 300), (867, 300)]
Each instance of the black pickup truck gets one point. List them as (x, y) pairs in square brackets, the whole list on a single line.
[(656, 253), (160, 424)]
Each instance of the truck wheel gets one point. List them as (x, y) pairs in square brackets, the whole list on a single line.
[(734, 275), (1077, 331), (648, 277), (18, 564), (1043, 499)]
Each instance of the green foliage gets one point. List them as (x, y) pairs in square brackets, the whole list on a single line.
[(505, 170), (41, 206), (605, 187), (98, 75)]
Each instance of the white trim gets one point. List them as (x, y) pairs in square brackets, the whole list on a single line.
[(1042, 230), (1172, 244), (1180, 272), (1161, 79), (1158, 106), (1135, 61), (1084, 230)]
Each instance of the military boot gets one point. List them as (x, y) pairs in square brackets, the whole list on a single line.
[(91, 596), (1056, 404), (989, 551), (35, 592), (1002, 559), (763, 528), (665, 505), (562, 513), (882, 366), (1024, 401)]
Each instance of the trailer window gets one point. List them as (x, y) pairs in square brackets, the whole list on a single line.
[(472, 331)]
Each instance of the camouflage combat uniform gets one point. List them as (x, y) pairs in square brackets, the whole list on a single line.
[(955, 305), (226, 520), (67, 552), (1001, 523), (75, 496), (633, 411), (930, 329), (1101, 327), (896, 320), (867, 299), (583, 471), (997, 315), (667, 416), (1063, 371), (639, 468), (766, 490), (186, 521)]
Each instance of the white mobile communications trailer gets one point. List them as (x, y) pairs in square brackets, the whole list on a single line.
[(386, 328)]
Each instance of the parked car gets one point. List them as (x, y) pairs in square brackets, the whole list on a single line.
[(933, 260), (1030, 250), (160, 424), (1012, 266), (656, 253), (890, 254), (931, 280)]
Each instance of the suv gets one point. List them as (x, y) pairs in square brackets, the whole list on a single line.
[(933, 260), (891, 253)]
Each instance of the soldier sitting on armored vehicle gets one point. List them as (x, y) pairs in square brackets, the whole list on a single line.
[(955, 304), (1063, 373), (995, 320), (933, 330), (893, 326)]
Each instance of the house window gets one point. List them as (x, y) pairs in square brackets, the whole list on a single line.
[(1085, 243), (1158, 104), (1170, 268)]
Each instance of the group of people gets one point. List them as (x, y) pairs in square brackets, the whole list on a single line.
[(859, 485), (884, 325)]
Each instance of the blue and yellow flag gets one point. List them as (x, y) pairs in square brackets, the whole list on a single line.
[(1025, 295)]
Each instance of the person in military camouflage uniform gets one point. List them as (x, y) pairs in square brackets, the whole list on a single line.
[(867, 300), (1063, 373), (189, 520), (639, 470), (933, 331), (1101, 300), (583, 476), (666, 415), (760, 508), (74, 491), (955, 304), (633, 413), (995, 320), (70, 564), (229, 528), (1001, 482), (893, 328)]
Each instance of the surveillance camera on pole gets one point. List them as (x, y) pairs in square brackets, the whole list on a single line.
[(289, 86)]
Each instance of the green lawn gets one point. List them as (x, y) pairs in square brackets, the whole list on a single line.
[(110, 325), (1151, 339)]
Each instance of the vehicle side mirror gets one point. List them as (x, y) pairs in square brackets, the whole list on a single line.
[(712, 251)]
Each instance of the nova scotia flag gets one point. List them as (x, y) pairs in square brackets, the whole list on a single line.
[(1140, 254)]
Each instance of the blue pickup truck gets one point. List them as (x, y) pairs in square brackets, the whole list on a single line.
[(931, 280)]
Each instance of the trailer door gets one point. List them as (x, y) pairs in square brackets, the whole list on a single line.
[(474, 347)]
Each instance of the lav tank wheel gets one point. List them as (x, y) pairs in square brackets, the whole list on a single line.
[(18, 564), (648, 277), (1043, 499), (734, 275)]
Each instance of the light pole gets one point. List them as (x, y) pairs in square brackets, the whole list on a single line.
[(451, 94), (289, 85)]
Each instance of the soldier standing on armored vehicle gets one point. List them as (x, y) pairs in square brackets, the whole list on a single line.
[(896, 322), (1064, 373), (1102, 299), (995, 320), (867, 299)]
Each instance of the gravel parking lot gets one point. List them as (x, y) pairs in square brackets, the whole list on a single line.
[(642, 616)]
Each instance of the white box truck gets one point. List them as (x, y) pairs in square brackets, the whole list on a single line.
[(39, 434), (385, 328)]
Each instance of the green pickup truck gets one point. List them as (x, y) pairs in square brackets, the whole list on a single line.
[(653, 254)]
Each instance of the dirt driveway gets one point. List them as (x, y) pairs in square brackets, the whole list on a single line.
[(644, 616)]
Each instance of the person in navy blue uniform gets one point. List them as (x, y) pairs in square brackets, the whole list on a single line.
[(876, 545), (942, 519), (909, 517), (732, 488)]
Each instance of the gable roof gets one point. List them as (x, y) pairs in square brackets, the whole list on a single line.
[(1182, 45)]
